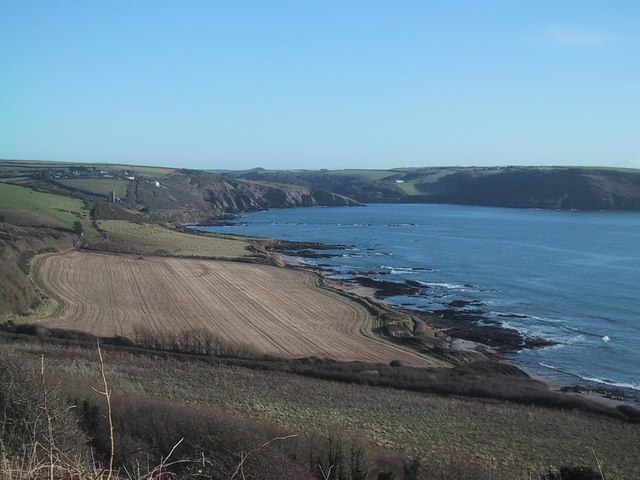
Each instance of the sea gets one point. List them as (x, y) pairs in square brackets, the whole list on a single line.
[(571, 277)]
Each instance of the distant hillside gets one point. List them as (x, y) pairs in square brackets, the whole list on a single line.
[(47, 206), (521, 187), (191, 196), (169, 195)]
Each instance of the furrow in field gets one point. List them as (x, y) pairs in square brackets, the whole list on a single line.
[(275, 310)]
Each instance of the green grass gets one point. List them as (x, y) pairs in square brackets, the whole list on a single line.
[(151, 171), (431, 178), (368, 174), (99, 186), (17, 179), (26, 166), (148, 238), (25, 205)]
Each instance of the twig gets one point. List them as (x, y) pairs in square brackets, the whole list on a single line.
[(598, 463), (45, 407), (163, 463), (328, 474), (107, 395), (243, 458)]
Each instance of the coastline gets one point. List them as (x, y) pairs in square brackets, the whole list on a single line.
[(491, 341)]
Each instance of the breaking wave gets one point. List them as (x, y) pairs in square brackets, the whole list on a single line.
[(607, 382)]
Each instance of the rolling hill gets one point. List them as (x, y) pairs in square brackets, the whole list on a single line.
[(519, 187)]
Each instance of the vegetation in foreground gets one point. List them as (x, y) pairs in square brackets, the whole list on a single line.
[(163, 401)]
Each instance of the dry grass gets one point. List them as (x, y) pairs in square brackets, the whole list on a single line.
[(515, 439), (149, 238), (273, 310)]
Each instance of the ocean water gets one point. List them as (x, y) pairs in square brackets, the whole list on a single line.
[(571, 277)]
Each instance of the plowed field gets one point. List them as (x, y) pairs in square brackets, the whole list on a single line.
[(274, 310)]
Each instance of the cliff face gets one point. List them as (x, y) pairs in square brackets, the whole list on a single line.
[(521, 187), (580, 189), (196, 197)]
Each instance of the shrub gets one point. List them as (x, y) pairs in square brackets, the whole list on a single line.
[(36, 422), (573, 473), (208, 442)]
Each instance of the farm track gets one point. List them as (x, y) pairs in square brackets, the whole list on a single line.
[(274, 310)]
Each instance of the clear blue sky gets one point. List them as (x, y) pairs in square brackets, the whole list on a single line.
[(321, 84)]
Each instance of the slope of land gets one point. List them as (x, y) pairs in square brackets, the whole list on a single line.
[(167, 195), (272, 310), (151, 238), (18, 246), (521, 187), (24, 206), (461, 438), (486, 414)]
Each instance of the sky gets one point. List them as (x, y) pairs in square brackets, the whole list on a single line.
[(309, 84)]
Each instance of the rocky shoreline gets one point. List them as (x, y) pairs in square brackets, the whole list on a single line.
[(461, 319), (464, 321)]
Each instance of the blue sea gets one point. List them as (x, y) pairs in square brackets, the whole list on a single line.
[(571, 277)]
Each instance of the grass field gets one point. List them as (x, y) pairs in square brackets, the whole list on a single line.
[(100, 186), (24, 206), (272, 310), (368, 174), (149, 238), (25, 166), (518, 441), (409, 187)]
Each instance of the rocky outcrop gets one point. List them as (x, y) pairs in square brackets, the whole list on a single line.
[(196, 197), (520, 187), (550, 188)]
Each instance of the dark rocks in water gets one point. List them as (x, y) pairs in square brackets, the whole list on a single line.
[(305, 249), (370, 273), (464, 303), (311, 254), (462, 315), (286, 246), (387, 289), (493, 336), (538, 342), (608, 392), (512, 315)]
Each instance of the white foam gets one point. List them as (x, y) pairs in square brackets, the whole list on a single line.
[(399, 270), (448, 286), (610, 383)]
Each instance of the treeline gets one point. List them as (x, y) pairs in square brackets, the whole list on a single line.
[(193, 341)]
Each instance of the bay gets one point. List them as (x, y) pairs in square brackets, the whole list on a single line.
[(570, 277)]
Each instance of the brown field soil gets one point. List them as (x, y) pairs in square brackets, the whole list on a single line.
[(273, 310)]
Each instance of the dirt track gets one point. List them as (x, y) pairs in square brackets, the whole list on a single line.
[(275, 310)]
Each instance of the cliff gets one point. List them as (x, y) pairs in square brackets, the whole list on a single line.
[(196, 197), (520, 187)]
